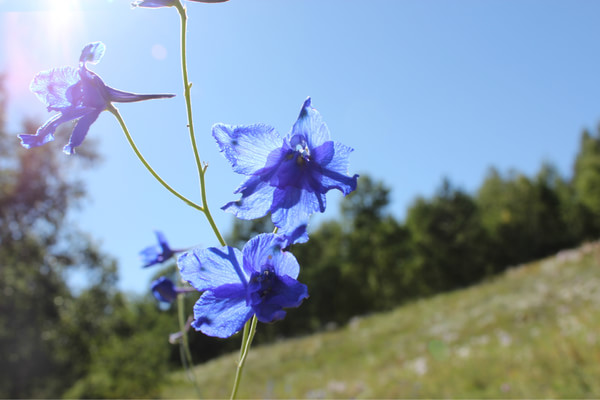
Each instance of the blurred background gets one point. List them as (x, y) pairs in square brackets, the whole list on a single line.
[(476, 134)]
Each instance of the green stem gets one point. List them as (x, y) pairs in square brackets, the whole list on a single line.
[(244, 353), (117, 115), (187, 87), (188, 363), (187, 91)]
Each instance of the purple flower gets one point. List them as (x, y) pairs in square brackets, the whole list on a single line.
[(260, 280), (287, 176), (77, 94), (158, 253), (164, 290), (167, 3)]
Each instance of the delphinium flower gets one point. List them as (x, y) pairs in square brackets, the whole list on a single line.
[(287, 176), (165, 290), (260, 280), (77, 94), (159, 253), (167, 3)]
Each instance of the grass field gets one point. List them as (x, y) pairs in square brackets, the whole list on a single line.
[(532, 332)]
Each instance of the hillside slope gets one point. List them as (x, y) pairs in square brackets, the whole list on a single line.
[(533, 331)]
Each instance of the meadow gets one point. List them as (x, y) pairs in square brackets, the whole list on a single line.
[(531, 332)]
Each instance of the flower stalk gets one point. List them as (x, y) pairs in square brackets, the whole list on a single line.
[(187, 91), (137, 152), (185, 345), (249, 331)]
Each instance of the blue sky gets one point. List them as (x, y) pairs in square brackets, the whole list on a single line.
[(420, 89)]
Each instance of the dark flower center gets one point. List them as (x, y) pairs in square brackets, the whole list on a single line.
[(261, 284)]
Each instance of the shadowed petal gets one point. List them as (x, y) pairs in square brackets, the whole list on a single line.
[(333, 158), (246, 147), (206, 269), (222, 312), (293, 207), (81, 129), (164, 290), (257, 197), (285, 293), (45, 133)]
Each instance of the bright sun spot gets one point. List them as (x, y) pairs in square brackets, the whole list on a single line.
[(46, 35)]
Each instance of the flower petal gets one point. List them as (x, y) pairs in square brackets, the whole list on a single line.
[(54, 87), (45, 133), (206, 269), (81, 129), (286, 292), (333, 159), (223, 311), (292, 209), (127, 97), (310, 125), (162, 241), (153, 3), (150, 256), (247, 148), (92, 52), (257, 197), (164, 290), (261, 250)]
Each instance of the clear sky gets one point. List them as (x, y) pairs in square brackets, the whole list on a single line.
[(420, 89)]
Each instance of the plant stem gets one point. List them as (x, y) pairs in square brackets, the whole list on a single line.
[(185, 346), (248, 336), (117, 115), (187, 91), (187, 87)]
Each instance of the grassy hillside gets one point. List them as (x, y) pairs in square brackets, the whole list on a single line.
[(532, 332)]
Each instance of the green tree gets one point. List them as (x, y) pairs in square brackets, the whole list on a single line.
[(38, 249), (448, 240), (586, 182)]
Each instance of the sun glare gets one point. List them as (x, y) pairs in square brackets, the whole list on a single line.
[(45, 35), (63, 21)]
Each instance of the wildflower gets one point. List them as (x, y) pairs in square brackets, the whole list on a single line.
[(260, 280), (167, 3), (77, 94), (288, 176), (165, 290), (158, 253)]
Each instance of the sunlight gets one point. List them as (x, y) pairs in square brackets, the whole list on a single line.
[(42, 37), (62, 22)]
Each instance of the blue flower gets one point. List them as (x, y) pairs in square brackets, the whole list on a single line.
[(260, 280), (164, 290), (77, 94), (167, 3), (288, 176), (158, 253)]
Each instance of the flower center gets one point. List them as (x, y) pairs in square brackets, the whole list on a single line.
[(303, 153), (262, 283)]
